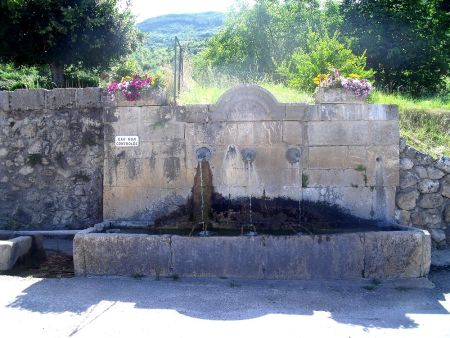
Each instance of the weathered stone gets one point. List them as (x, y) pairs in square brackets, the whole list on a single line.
[(13, 249), (421, 171), (423, 159), (426, 217), (293, 132), (444, 164), (399, 254), (3, 152), (337, 95), (437, 235), (434, 173), (428, 186), (382, 166), (25, 99), (446, 189), (406, 164), (328, 157), (383, 112), (408, 179), (447, 214), (27, 170), (430, 201), (402, 144), (402, 217), (88, 97), (4, 101), (60, 98), (407, 200), (111, 254), (384, 132), (338, 133)]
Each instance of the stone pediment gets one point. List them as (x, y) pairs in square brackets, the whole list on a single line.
[(248, 103)]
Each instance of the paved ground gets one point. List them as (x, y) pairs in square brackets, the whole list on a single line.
[(128, 307)]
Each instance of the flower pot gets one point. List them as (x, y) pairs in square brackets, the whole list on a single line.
[(337, 95)]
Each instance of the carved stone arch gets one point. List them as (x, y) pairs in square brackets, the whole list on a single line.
[(249, 103)]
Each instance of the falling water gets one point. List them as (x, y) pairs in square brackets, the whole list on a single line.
[(250, 212), (202, 197)]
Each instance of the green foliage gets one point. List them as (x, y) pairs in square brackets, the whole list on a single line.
[(12, 77), (406, 42), (320, 53), (87, 33)]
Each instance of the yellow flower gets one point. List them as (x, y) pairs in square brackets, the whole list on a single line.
[(354, 76), (319, 78), (126, 78)]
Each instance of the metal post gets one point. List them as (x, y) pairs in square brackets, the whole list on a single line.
[(175, 71)]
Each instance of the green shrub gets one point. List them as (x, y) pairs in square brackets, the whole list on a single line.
[(320, 53)]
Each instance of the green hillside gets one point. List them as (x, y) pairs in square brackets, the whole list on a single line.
[(195, 28)]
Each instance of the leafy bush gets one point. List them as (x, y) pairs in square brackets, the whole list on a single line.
[(320, 53), (12, 77)]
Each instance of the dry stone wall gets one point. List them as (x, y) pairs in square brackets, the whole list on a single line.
[(51, 158), (423, 195)]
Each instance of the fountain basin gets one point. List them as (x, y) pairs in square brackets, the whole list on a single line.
[(400, 253)]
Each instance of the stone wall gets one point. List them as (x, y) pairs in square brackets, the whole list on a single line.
[(51, 158), (346, 154), (423, 196)]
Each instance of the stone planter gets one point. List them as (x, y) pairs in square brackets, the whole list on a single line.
[(148, 97), (337, 95)]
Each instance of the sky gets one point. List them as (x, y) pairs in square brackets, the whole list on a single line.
[(144, 9)]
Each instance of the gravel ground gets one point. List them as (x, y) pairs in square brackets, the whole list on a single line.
[(133, 307)]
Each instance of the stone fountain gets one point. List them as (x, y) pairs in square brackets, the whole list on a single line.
[(314, 186)]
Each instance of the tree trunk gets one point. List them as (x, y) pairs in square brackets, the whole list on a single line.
[(57, 74)]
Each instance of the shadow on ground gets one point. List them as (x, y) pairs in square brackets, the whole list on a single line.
[(358, 303)]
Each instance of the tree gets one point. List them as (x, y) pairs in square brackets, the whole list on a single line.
[(86, 33), (406, 41)]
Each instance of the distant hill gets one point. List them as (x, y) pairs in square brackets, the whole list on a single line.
[(189, 28)]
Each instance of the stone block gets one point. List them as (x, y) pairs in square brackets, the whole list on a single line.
[(428, 186), (162, 132), (88, 97), (428, 217), (12, 250), (268, 257), (337, 95), (60, 98), (337, 112), (27, 99), (258, 133), (126, 255), (446, 189), (447, 214), (4, 101), (408, 179), (421, 171), (438, 235), (434, 173), (402, 254), (148, 97), (382, 112), (271, 158), (383, 165), (293, 132), (402, 217), (406, 164), (296, 111), (443, 163), (407, 200), (384, 133), (198, 113), (357, 157), (430, 201), (330, 157), (334, 178), (337, 133)]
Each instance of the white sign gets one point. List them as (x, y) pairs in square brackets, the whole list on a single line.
[(127, 141)]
